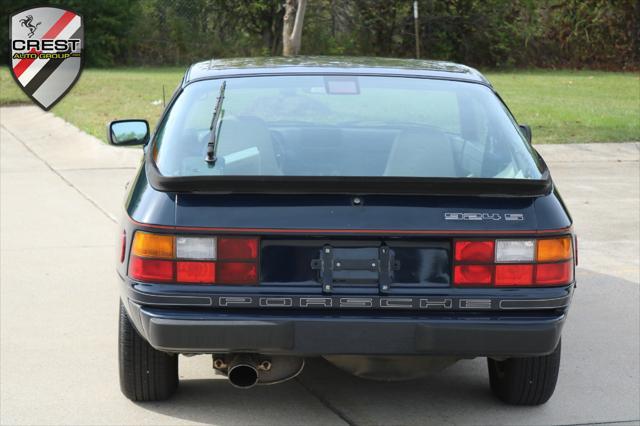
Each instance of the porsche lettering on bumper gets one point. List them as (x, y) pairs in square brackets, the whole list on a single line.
[(431, 303)]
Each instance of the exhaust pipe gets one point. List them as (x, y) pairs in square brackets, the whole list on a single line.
[(243, 372), (246, 370)]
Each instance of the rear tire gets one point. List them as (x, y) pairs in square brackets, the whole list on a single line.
[(146, 374), (525, 381)]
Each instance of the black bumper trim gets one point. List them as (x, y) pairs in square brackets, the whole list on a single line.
[(309, 303), (511, 304), (467, 336), (238, 335), (168, 300)]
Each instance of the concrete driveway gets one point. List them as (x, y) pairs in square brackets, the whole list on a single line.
[(61, 192)]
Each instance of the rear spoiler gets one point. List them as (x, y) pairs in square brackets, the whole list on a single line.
[(350, 185)]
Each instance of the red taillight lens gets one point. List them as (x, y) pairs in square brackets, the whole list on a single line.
[(474, 251), (510, 275), (196, 272), (236, 273), (554, 273), (123, 245), (473, 274), (151, 269), (237, 248)]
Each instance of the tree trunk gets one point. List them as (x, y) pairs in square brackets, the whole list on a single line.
[(292, 26)]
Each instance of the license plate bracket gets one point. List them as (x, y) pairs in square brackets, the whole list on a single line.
[(355, 266)]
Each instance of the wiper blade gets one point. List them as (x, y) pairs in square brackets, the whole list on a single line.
[(215, 126)]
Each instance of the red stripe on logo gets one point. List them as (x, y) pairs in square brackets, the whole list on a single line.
[(62, 22), (59, 25), (23, 64)]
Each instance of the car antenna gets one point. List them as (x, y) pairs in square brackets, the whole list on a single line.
[(213, 136)]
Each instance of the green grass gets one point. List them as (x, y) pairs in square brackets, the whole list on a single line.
[(102, 95), (560, 106), (10, 93), (573, 106)]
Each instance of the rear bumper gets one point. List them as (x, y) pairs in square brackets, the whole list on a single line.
[(204, 331)]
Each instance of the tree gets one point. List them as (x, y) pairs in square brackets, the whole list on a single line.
[(292, 26)]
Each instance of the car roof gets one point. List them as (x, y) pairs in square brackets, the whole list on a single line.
[(216, 68)]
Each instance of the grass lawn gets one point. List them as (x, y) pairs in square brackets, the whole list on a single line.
[(102, 95), (573, 106), (560, 106)]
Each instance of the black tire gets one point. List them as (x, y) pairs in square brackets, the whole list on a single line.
[(525, 381), (146, 374)]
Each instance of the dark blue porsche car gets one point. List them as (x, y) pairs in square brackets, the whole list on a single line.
[(371, 211)]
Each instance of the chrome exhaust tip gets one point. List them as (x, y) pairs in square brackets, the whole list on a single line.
[(243, 372), (246, 370)]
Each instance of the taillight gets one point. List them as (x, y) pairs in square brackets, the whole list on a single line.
[(237, 272), (554, 273), (185, 259), (237, 248), (123, 245), (196, 272), (508, 275), (474, 251), (238, 260), (474, 274), (528, 262), (151, 269), (195, 248), (146, 244), (510, 251), (554, 249)]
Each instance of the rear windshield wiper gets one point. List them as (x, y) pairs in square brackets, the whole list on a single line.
[(213, 136)]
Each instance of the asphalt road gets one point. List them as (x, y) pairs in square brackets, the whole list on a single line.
[(61, 192)]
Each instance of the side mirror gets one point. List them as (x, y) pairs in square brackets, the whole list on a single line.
[(128, 132), (526, 132)]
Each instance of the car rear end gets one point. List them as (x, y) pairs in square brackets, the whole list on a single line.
[(309, 292), (262, 236)]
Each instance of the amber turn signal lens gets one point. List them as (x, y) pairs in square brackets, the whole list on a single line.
[(152, 245), (554, 249)]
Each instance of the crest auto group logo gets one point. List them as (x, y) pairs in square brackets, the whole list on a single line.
[(46, 52)]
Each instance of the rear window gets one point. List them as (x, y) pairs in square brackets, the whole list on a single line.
[(344, 126)]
